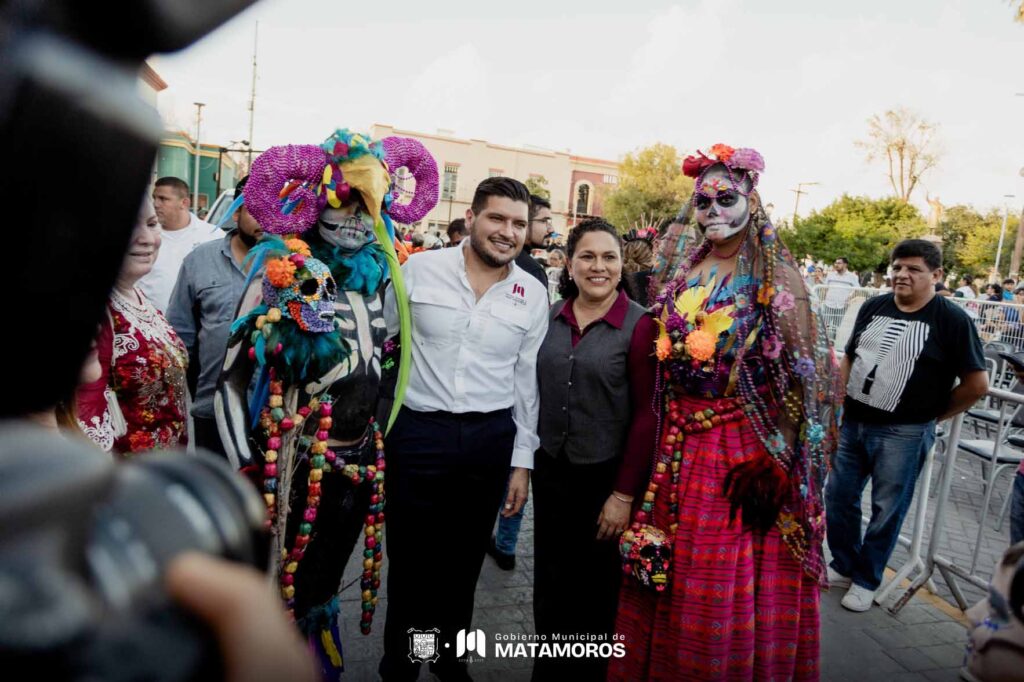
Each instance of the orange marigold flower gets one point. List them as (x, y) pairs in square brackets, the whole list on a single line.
[(281, 272), (765, 294), (722, 152), (663, 347), (700, 344), (298, 246)]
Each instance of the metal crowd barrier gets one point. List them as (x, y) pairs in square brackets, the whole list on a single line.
[(996, 321), (932, 560)]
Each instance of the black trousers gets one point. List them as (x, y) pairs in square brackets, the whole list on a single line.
[(576, 576), (446, 474), (207, 436)]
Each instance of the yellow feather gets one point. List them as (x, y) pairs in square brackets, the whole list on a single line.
[(330, 649), (719, 321), (691, 301)]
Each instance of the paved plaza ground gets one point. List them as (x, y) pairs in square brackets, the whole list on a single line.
[(925, 641)]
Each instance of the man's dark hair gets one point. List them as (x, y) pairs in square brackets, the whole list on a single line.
[(499, 187), (846, 261), (1010, 281), (457, 226), (240, 187), (179, 185), (536, 204), (919, 248), (967, 278)]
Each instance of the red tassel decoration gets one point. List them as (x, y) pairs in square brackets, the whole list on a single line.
[(757, 487)]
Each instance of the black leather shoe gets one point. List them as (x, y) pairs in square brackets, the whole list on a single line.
[(506, 562)]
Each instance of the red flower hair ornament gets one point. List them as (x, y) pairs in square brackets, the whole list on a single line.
[(735, 159)]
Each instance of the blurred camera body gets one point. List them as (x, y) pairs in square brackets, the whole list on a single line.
[(83, 548)]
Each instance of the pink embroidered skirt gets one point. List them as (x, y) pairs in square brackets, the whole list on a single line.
[(738, 606)]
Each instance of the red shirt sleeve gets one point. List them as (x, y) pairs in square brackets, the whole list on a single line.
[(643, 429), (89, 399)]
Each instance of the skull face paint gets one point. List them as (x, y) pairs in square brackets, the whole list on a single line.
[(721, 208), (349, 227), (309, 299)]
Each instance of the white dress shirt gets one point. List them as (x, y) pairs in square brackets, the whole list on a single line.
[(470, 355)]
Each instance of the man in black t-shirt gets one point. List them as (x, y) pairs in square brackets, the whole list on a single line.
[(904, 355)]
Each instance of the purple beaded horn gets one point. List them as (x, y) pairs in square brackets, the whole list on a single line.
[(281, 193), (412, 155)]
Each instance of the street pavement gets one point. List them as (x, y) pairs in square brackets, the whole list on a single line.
[(925, 641)]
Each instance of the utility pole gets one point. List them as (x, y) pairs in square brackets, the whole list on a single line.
[(1018, 245), (799, 190), (1002, 233), (252, 94), (195, 175)]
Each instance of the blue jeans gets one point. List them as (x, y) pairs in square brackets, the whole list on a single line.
[(891, 455), (507, 535), (1017, 510)]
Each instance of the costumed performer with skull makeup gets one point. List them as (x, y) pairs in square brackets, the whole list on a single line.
[(724, 557), (298, 404)]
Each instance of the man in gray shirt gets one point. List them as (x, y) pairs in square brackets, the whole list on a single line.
[(202, 308)]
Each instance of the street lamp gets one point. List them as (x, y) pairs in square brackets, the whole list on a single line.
[(195, 176)]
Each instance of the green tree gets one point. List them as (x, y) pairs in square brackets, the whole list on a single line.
[(861, 229), (977, 255), (538, 184), (957, 223), (651, 186)]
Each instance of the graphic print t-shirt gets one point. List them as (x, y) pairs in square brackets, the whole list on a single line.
[(904, 364)]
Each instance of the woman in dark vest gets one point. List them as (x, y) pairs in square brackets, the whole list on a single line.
[(594, 362)]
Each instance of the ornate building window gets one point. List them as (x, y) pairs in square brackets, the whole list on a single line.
[(583, 199)]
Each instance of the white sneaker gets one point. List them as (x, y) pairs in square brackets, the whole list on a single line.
[(837, 579), (858, 598)]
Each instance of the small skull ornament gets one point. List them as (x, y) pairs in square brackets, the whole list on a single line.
[(308, 299), (647, 555)]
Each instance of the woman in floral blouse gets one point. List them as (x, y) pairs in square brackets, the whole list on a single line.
[(143, 361)]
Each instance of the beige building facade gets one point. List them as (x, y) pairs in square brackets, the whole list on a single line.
[(576, 183)]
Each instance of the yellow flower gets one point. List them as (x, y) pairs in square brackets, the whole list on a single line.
[(787, 523)]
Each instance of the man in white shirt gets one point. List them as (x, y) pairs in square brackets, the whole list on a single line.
[(180, 232), (839, 283), (470, 412)]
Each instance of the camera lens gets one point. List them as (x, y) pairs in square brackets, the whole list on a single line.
[(164, 504)]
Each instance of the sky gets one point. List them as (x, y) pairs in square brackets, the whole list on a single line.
[(796, 80)]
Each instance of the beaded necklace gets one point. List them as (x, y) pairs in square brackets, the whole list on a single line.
[(322, 460)]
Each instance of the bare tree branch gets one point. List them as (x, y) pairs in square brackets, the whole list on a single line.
[(908, 144)]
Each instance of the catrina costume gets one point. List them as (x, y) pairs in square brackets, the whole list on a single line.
[(299, 403), (724, 559)]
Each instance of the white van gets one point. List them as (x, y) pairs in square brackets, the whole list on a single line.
[(220, 207)]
